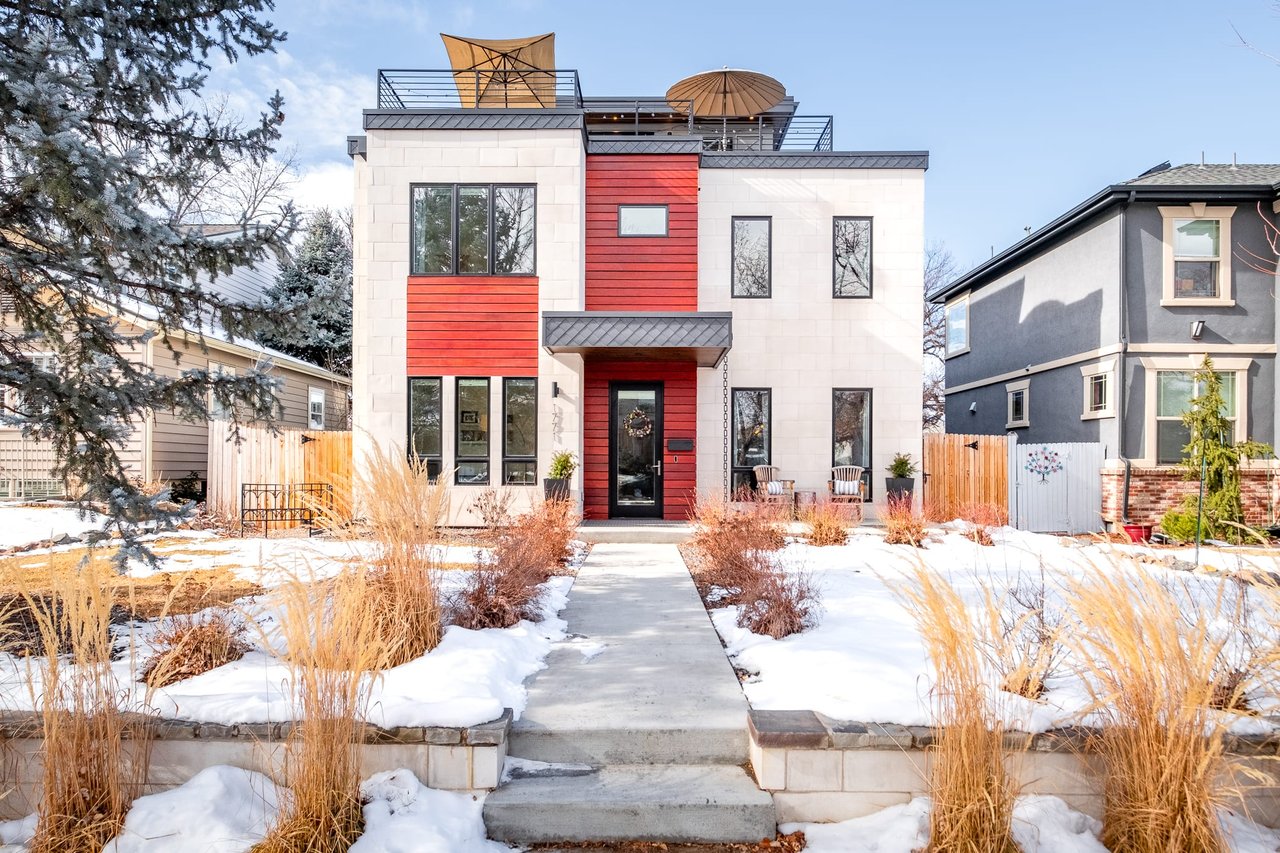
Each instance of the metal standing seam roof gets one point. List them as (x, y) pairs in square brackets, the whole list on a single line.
[(708, 332)]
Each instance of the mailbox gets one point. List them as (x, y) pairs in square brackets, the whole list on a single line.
[(680, 445)]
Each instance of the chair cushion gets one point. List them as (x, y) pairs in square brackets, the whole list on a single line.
[(847, 487), (774, 487)]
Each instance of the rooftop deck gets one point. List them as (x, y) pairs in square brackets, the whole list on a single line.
[(447, 90)]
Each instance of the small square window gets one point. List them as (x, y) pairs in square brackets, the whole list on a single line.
[(642, 220), (1098, 393)]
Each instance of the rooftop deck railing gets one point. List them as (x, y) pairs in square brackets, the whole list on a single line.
[(445, 88)]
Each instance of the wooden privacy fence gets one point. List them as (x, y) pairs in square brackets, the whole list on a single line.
[(965, 469), (289, 457)]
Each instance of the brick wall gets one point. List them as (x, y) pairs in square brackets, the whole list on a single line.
[(1153, 491)]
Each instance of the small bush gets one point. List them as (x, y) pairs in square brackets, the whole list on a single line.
[(1029, 647), (729, 544), (984, 514), (778, 604), (827, 523), (192, 645), (494, 509), (903, 525), (1180, 525)]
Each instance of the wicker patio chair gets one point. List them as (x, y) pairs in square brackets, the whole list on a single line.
[(845, 485), (771, 488)]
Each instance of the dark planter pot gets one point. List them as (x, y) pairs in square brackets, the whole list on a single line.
[(899, 487), (555, 490)]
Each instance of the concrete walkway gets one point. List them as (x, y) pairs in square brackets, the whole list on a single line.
[(660, 691)]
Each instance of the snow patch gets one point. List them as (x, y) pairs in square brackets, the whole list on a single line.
[(401, 815)]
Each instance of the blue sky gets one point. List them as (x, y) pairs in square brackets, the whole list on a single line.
[(1027, 108)]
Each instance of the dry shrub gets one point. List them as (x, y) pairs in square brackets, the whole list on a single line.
[(779, 604), (1150, 659), (1028, 645), (984, 514), (333, 646), (827, 523), (402, 508), (89, 777), (730, 546), (494, 509), (194, 644), (903, 524), (1248, 659), (506, 586), (972, 791)]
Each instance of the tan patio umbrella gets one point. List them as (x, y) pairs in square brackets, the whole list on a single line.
[(727, 93), (503, 72)]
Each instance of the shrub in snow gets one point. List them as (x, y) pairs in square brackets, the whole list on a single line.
[(193, 644), (779, 604), (731, 548), (902, 523), (826, 523), (1028, 647)]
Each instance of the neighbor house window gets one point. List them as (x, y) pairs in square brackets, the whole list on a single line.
[(218, 411), (751, 256), (1175, 390), (1098, 390), (852, 268), (1197, 255), (752, 434), (473, 229), (1019, 398), (520, 432), (315, 408), (957, 317), (473, 432), (642, 220), (851, 431), (45, 362), (426, 416)]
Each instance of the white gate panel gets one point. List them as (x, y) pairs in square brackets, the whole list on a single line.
[(1057, 488)]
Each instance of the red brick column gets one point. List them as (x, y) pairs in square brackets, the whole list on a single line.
[(1153, 491)]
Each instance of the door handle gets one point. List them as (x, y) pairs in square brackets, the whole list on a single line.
[(658, 468)]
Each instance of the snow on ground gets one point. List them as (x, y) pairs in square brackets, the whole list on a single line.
[(24, 525), (401, 815), (865, 659)]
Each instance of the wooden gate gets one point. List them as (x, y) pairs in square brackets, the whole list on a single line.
[(964, 469), (287, 457)]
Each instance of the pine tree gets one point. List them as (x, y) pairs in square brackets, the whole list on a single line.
[(315, 289), (101, 128), (1212, 453)]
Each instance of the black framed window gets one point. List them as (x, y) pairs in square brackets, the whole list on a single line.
[(752, 434), (642, 220), (473, 229), (752, 256), (851, 270), (425, 421), (472, 425), (851, 431), (520, 432)]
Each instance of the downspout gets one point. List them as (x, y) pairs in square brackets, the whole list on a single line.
[(1122, 372)]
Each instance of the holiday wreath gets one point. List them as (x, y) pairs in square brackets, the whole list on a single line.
[(638, 424)]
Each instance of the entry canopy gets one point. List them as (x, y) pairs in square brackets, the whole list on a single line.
[(727, 93), (503, 72), (703, 337)]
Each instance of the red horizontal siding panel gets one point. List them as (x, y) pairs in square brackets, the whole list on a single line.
[(642, 273), (485, 325), (680, 420)]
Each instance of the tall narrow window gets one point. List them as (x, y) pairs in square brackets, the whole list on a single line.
[(752, 258), (219, 410), (752, 434), (1175, 390), (642, 220), (957, 318), (520, 432), (851, 431), (1018, 397), (473, 432), (425, 418), (433, 230), (315, 408), (513, 230), (473, 230), (852, 252)]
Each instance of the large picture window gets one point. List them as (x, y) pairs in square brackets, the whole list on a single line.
[(1174, 391), (752, 257), (852, 253), (520, 432), (851, 431), (480, 229), (425, 418), (752, 434), (642, 220), (472, 422)]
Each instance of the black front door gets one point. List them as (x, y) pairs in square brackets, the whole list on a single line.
[(635, 450)]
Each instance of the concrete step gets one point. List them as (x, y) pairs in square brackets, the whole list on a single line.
[(722, 745), (636, 532), (671, 803)]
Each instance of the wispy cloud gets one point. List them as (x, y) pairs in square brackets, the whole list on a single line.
[(329, 184)]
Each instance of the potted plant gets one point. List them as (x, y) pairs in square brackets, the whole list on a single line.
[(901, 481), (556, 484)]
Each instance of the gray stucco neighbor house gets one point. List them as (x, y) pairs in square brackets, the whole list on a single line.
[(1088, 329)]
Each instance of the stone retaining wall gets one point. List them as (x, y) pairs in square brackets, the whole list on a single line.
[(459, 759), (821, 770)]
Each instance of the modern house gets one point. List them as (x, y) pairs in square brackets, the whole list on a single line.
[(1090, 329), (670, 292), (166, 446)]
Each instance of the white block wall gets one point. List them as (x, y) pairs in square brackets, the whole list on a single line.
[(802, 342)]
